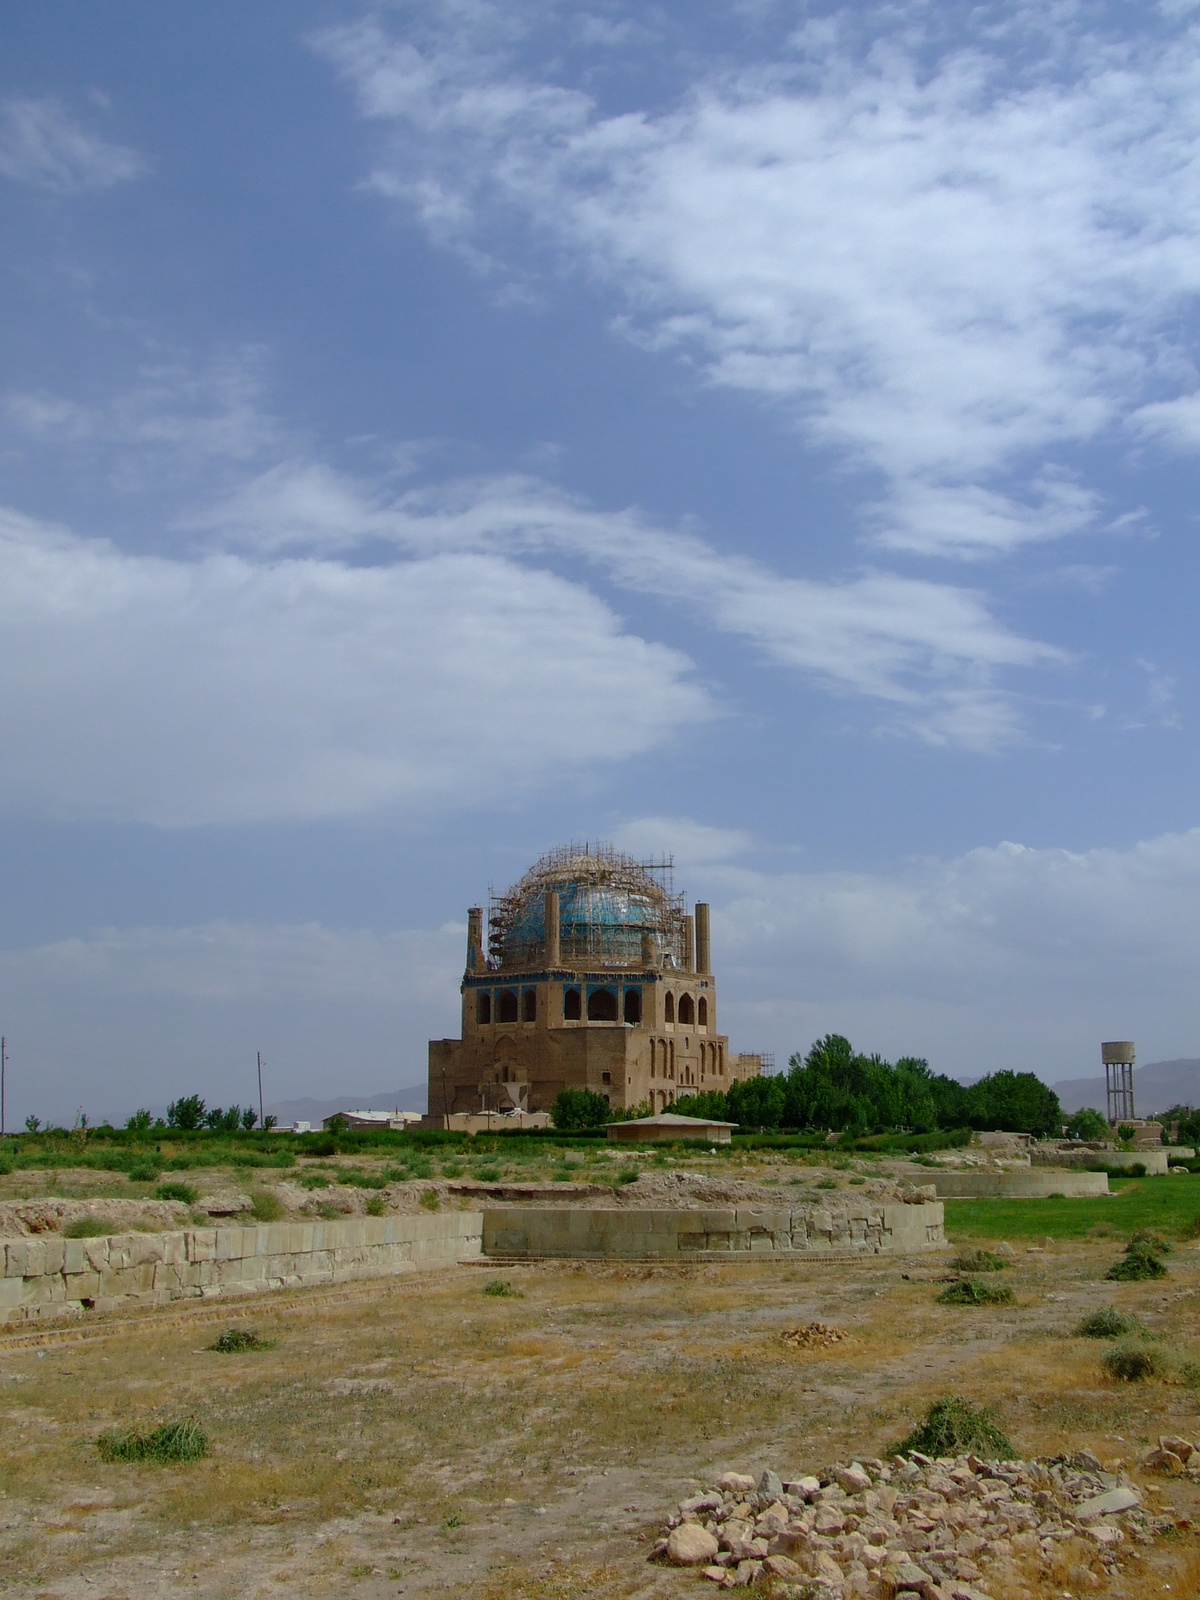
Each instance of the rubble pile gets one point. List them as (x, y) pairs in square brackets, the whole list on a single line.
[(914, 1526), (813, 1336)]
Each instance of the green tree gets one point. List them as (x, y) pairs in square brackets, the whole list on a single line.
[(249, 1118), (712, 1103), (1013, 1102), (32, 1124), (577, 1109), (1087, 1124), (187, 1113), (139, 1122)]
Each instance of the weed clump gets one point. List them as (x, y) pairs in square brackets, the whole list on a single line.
[(954, 1427), (174, 1441), (234, 1340), (1142, 1259), (430, 1200), (177, 1191), (143, 1172), (487, 1174), (1108, 1323), (265, 1206), (1130, 1362), (87, 1228), (970, 1292), (501, 1289), (376, 1206), (979, 1261)]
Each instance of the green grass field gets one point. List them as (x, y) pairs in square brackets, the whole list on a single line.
[(1171, 1205)]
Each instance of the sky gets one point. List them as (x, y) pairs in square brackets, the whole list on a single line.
[(763, 433)]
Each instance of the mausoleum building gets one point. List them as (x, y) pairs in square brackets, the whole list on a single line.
[(589, 974)]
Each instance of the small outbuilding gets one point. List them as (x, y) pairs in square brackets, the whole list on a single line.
[(670, 1125)]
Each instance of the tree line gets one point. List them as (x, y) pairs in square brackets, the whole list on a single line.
[(835, 1089)]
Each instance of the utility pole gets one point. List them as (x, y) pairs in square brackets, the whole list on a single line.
[(3, 1065), (260, 1104)]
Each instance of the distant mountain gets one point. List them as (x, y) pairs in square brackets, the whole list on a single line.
[(309, 1110), (1156, 1087)]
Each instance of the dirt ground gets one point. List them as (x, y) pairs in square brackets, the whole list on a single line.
[(420, 1437)]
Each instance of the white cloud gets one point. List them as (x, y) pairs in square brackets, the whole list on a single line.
[(932, 651), (1002, 957), (950, 266), (42, 145), (177, 421), (230, 690)]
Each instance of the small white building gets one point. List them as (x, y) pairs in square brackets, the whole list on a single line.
[(395, 1120), (670, 1125)]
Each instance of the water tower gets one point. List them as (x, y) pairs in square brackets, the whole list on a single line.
[(1118, 1056)]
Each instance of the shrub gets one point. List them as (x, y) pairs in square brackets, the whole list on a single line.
[(176, 1191), (501, 1289), (315, 1180), (487, 1174), (1130, 1362), (376, 1206), (174, 1441), (970, 1292), (143, 1172), (1108, 1323), (1126, 1132), (430, 1200), (978, 1261), (452, 1169), (628, 1175), (576, 1109), (265, 1206), (954, 1427), (87, 1228), (234, 1340)]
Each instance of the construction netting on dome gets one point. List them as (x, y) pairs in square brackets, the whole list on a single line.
[(611, 909)]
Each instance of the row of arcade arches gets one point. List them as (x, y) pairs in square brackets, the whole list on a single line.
[(603, 1005), (689, 1012)]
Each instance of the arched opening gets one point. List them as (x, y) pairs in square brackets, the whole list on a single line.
[(633, 1005), (686, 1010), (602, 1005), (572, 1005), (483, 1008), (529, 1006), (702, 1012), (669, 1011), (506, 1010)]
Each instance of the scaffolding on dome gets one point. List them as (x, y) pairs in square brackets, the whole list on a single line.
[(609, 906)]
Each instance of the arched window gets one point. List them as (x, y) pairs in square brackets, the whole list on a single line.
[(506, 1010), (483, 1008), (529, 1006), (702, 1012), (602, 1005), (633, 1005), (686, 1010), (670, 1008), (572, 1006)]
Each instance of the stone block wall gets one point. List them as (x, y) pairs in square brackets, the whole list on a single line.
[(49, 1276), (1023, 1184), (717, 1235)]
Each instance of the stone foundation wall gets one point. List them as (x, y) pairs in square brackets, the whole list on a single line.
[(1023, 1184), (718, 1235), (1155, 1158), (51, 1276)]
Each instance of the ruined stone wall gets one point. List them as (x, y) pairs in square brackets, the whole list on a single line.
[(1023, 1184), (51, 1276), (715, 1235)]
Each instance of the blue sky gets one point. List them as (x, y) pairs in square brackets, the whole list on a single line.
[(432, 432)]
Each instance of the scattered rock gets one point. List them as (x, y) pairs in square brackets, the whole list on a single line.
[(690, 1545), (1163, 1460), (737, 1482), (225, 1204), (771, 1485), (1106, 1505), (813, 1336), (1177, 1446), (854, 1479)]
